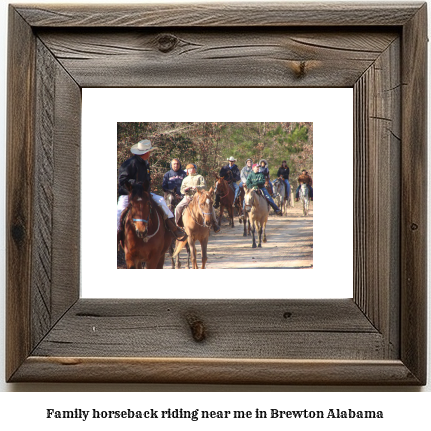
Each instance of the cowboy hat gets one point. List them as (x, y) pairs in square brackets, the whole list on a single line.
[(142, 147), (231, 159)]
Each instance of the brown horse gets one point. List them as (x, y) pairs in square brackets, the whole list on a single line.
[(172, 201), (145, 237), (197, 220), (257, 209), (221, 188)]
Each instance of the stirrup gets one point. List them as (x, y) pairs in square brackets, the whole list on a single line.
[(180, 235)]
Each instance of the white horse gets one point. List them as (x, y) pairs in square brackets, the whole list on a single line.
[(280, 195), (305, 198)]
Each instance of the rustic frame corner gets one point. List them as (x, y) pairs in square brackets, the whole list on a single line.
[(378, 337)]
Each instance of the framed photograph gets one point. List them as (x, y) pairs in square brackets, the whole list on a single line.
[(376, 337)]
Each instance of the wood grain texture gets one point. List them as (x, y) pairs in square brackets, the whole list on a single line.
[(268, 329), (413, 193), (211, 57), (215, 371), (56, 186), (221, 15), (378, 337), (377, 190), (19, 197)]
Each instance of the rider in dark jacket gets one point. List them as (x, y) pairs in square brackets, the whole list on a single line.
[(134, 171), (174, 177), (232, 175), (283, 171)]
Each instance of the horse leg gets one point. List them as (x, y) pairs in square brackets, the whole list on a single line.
[(230, 211), (221, 213), (192, 245), (130, 262), (253, 230), (161, 262), (153, 262), (260, 235), (245, 226), (188, 255), (264, 231), (171, 252), (204, 244)]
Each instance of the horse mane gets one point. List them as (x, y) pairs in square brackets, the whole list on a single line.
[(138, 191)]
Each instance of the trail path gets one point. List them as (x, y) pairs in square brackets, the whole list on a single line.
[(290, 244)]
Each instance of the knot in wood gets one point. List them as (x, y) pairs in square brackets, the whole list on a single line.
[(414, 226), (197, 327), (18, 233), (167, 42)]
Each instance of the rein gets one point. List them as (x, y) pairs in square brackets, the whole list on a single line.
[(222, 197), (202, 213), (146, 238)]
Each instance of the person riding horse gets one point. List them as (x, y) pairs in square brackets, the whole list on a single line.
[(136, 170), (231, 175), (304, 178), (256, 180), (189, 185), (245, 172), (172, 179), (283, 172), (263, 168)]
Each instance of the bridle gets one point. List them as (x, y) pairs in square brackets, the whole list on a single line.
[(202, 212), (144, 235), (248, 205), (221, 197)]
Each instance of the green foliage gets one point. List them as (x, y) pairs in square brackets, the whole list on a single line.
[(209, 145)]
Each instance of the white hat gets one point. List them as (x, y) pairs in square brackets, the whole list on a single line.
[(231, 159), (142, 147)]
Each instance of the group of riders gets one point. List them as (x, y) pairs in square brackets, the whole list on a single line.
[(184, 183)]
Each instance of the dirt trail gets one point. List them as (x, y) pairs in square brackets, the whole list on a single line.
[(290, 244)]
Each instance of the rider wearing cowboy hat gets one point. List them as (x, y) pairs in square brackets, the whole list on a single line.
[(232, 175), (190, 184), (136, 170)]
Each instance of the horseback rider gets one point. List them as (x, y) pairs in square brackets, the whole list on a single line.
[(263, 167), (283, 172), (172, 179), (189, 185), (231, 175), (256, 180), (136, 170), (245, 172), (304, 178)]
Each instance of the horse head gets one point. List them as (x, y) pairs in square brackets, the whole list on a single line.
[(220, 186), (140, 209), (249, 196), (205, 204)]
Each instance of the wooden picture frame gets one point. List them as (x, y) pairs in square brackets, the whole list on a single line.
[(376, 338)]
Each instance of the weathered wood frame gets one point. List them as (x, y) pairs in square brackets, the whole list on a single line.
[(378, 337)]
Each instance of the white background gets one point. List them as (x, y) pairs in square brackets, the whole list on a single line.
[(403, 407), (330, 110)]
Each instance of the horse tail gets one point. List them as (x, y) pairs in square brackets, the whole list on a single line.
[(180, 245)]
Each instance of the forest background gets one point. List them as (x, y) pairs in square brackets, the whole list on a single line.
[(209, 145)]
